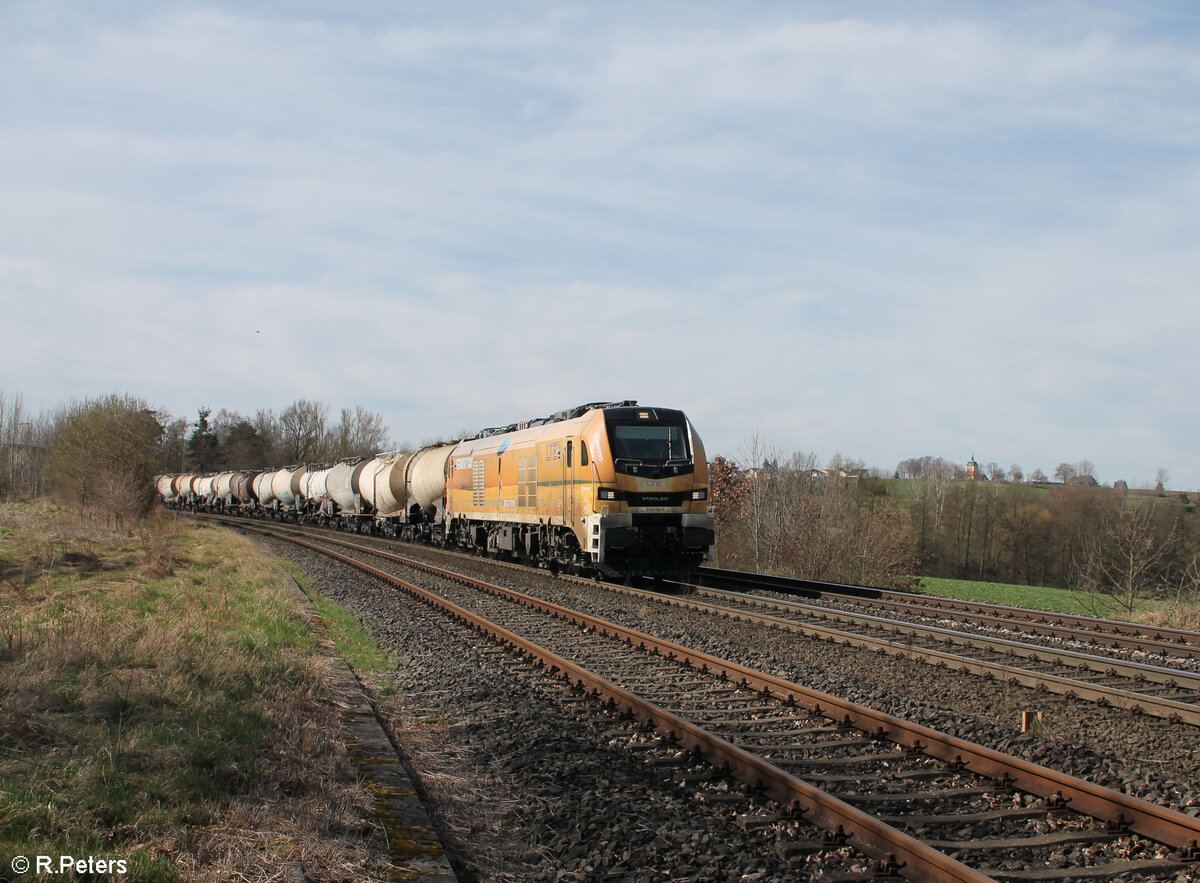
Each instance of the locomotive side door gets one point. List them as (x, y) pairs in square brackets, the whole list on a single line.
[(568, 485)]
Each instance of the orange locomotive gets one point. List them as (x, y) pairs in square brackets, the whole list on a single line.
[(613, 487)]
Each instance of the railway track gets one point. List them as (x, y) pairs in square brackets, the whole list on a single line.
[(926, 805), (1109, 681), (1094, 632), (1165, 692)]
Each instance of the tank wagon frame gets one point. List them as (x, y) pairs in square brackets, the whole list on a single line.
[(607, 487)]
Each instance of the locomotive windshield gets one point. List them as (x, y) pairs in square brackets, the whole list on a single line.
[(649, 443)]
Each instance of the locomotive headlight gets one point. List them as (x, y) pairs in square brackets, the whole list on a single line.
[(701, 494), (607, 493)]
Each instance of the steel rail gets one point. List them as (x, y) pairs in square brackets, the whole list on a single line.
[(1092, 662), (1129, 700), (1060, 789), (1114, 632)]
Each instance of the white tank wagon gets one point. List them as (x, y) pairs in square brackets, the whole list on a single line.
[(223, 488), (425, 480), (375, 486), (165, 485), (296, 481), (285, 484), (312, 483), (340, 486), (183, 485), (313, 491), (202, 487), (261, 487)]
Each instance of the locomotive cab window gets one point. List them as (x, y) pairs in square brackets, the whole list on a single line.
[(649, 443)]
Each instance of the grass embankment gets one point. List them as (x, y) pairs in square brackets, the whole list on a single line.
[(1157, 612), (353, 644), (162, 701)]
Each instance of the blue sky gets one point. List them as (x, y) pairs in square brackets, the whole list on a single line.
[(883, 230)]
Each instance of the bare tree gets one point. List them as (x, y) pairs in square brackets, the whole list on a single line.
[(1128, 558), (266, 425), (845, 467), (12, 416), (172, 447), (359, 432), (302, 428), (762, 458), (1161, 478), (1024, 534), (728, 491), (1187, 594), (785, 516), (1064, 472), (104, 453)]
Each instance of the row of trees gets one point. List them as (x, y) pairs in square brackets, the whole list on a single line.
[(102, 454), (303, 432), (783, 515), (1067, 535), (938, 469)]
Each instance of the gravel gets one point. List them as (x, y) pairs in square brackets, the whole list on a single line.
[(527, 787), (529, 782)]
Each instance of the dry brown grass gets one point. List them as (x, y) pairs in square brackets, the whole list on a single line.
[(161, 699), (1175, 615)]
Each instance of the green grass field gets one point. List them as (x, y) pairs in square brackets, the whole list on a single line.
[(1038, 597), (165, 703)]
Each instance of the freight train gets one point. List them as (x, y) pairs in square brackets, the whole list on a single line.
[(609, 488)]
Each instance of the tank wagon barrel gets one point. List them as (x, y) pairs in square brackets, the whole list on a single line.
[(243, 487), (607, 487), (339, 486), (165, 485), (260, 487)]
